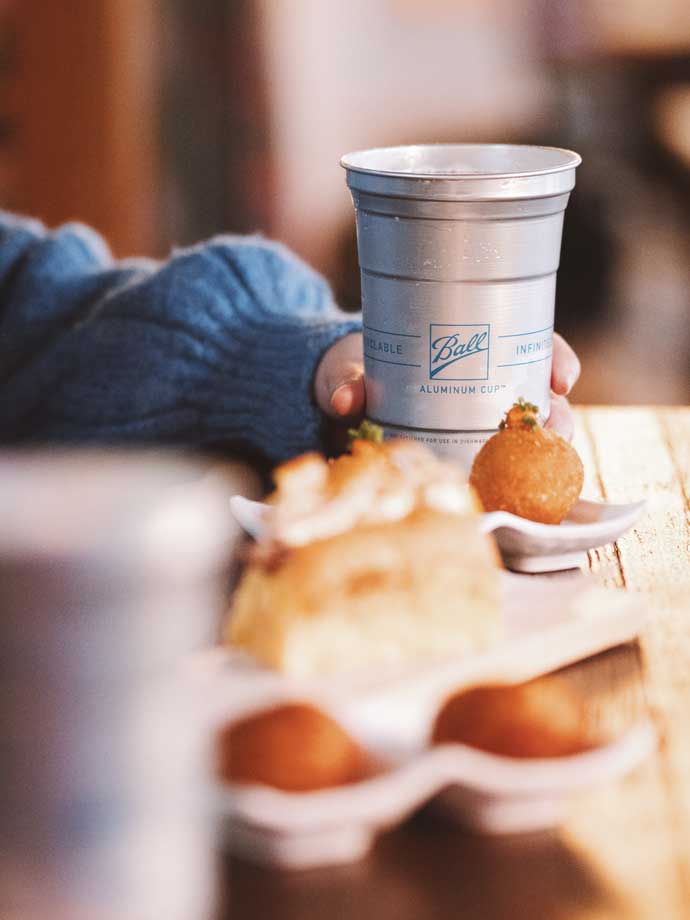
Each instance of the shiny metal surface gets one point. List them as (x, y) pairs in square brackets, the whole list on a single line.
[(458, 248), (111, 573)]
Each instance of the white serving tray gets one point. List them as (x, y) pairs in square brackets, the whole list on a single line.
[(549, 622), (480, 791), (526, 546)]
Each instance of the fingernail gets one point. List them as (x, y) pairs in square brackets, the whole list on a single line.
[(342, 399)]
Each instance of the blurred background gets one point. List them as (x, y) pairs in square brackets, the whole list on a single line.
[(164, 121)]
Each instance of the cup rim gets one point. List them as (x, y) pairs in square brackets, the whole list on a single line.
[(571, 160)]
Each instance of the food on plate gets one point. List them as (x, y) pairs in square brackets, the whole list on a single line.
[(527, 470), (294, 747), (535, 719), (373, 558)]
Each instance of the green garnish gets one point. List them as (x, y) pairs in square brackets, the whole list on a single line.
[(522, 414), (525, 406), (367, 431)]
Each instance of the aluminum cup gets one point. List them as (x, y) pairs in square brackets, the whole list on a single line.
[(458, 249)]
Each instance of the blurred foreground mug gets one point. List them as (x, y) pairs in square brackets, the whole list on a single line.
[(111, 572), (458, 250)]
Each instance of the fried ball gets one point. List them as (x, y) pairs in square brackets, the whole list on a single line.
[(535, 719), (527, 470), (294, 747)]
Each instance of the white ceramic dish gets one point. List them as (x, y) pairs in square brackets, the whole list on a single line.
[(483, 792), (549, 622), (252, 516), (526, 546)]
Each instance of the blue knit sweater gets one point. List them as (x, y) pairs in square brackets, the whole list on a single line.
[(216, 347)]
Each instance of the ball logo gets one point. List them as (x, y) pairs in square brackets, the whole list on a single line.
[(459, 352)]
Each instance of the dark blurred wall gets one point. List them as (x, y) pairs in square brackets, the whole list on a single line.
[(216, 167)]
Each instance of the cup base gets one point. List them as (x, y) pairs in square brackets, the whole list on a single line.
[(458, 446)]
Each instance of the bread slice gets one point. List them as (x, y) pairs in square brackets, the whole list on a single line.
[(425, 586)]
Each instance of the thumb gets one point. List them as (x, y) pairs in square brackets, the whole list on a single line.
[(348, 398), (339, 383)]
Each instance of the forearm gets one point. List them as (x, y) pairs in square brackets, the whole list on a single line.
[(216, 347)]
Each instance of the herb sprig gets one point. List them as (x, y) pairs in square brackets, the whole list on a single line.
[(522, 414), (367, 431)]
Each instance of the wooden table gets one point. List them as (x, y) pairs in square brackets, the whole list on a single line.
[(625, 849)]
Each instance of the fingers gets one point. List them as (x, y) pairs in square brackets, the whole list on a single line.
[(339, 382), (561, 417), (340, 392), (565, 368)]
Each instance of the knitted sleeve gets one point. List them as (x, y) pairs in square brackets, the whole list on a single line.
[(217, 346)]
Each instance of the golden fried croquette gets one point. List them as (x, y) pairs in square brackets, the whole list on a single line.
[(527, 470), (294, 747), (536, 719)]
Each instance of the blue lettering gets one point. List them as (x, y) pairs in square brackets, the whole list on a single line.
[(529, 348), (385, 347), (447, 349)]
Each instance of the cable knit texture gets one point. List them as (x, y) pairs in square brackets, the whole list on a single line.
[(216, 347)]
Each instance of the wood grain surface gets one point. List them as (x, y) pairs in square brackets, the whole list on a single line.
[(624, 851)]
